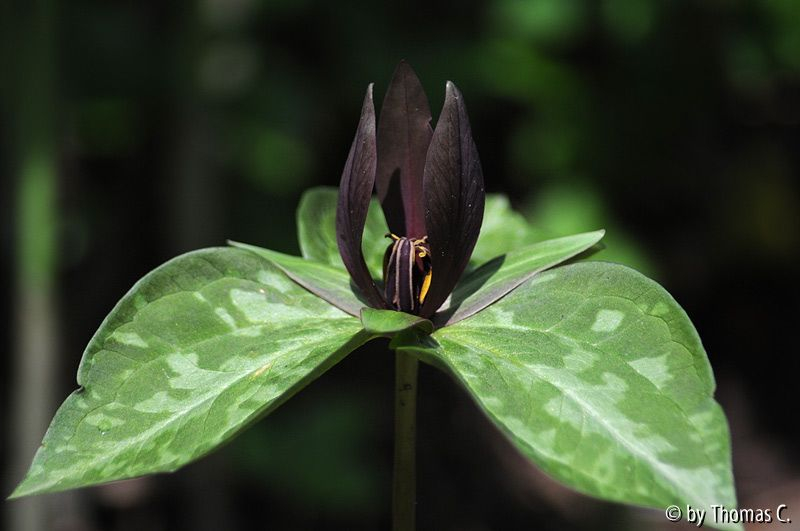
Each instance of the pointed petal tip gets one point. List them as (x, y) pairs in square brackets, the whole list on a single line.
[(368, 104), (452, 95), (403, 71), (403, 64)]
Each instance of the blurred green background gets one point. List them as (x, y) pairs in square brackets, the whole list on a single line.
[(134, 131)]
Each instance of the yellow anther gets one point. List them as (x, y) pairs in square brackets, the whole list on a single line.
[(426, 283), (391, 235)]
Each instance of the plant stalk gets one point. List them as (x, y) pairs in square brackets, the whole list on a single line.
[(405, 427)]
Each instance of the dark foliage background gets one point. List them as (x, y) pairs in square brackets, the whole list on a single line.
[(134, 131)]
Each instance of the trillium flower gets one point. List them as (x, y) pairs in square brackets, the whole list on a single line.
[(227, 328), (430, 185)]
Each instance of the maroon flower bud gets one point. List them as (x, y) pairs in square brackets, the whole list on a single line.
[(430, 185)]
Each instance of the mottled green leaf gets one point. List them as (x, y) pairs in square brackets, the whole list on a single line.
[(503, 230), (199, 348), (386, 322), (323, 280), (599, 377), (316, 230), (499, 276)]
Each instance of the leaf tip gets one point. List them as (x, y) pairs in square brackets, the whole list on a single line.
[(21, 490)]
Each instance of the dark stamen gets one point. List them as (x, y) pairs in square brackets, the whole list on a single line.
[(406, 272)]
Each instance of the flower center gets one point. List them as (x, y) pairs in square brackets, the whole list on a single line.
[(407, 272)]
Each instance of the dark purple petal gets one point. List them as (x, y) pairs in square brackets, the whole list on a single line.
[(404, 133), (355, 191), (454, 198)]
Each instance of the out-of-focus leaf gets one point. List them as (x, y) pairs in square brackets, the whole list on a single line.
[(275, 161), (197, 350), (503, 230), (544, 21), (629, 21), (316, 230), (324, 281), (599, 377), (499, 276), (384, 322), (569, 208)]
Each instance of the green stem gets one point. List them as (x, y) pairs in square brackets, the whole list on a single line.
[(405, 461)]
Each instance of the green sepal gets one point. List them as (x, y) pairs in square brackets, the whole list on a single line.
[(499, 276), (390, 322)]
